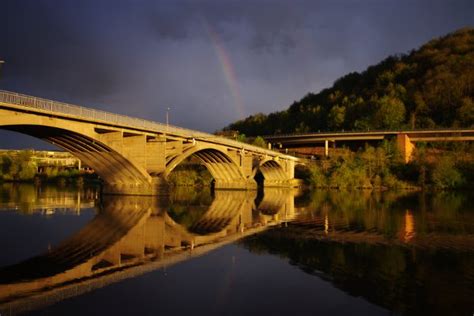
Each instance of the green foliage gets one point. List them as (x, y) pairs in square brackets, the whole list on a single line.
[(18, 167), (241, 138), (190, 175), (445, 174), (371, 168), (260, 142), (429, 87), (337, 116), (466, 112), (27, 172), (390, 113), (317, 177)]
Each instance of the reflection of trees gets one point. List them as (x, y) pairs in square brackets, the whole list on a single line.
[(188, 205), (405, 280), (386, 213), (410, 252), (28, 197)]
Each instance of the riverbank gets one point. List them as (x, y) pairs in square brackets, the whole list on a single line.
[(382, 168), (371, 168)]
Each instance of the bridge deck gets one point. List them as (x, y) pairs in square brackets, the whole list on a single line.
[(66, 110), (461, 134)]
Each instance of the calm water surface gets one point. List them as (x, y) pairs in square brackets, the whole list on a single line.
[(68, 251)]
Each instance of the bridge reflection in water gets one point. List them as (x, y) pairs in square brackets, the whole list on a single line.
[(131, 235)]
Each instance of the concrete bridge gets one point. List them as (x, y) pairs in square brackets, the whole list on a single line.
[(405, 139), (136, 156)]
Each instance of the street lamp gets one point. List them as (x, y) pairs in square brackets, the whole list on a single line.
[(1, 63), (167, 117)]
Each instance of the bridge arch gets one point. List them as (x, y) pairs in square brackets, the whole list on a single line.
[(225, 171), (118, 172), (272, 172)]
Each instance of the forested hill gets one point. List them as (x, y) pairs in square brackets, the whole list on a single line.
[(427, 88)]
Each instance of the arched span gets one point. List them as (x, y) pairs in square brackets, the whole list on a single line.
[(110, 165), (273, 201), (223, 215), (223, 168), (272, 172), (75, 257)]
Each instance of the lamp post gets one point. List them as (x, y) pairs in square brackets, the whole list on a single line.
[(1, 64), (167, 118)]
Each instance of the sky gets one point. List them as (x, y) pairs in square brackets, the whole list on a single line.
[(211, 62)]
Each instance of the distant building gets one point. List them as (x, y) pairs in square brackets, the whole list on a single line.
[(47, 159)]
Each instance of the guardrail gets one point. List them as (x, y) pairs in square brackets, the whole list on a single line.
[(55, 107)]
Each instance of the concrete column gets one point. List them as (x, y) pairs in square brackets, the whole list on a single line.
[(405, 146), (175, 146), (114, 140), (134, 149), (290, 169), (246, 161), (156, 155), (326, 148)]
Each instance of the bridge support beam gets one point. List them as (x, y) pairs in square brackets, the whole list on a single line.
[(405, 146)]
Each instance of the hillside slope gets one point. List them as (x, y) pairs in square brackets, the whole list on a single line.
[(429, 87)]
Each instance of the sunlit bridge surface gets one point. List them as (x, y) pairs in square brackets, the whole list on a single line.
[(69, 251)]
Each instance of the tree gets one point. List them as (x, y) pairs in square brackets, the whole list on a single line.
[(241, 138), (445, 174), (390, 114), (337, 116), (260, 142), (465, 113)]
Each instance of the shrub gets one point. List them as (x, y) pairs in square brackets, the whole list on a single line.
[(317, 177), (445, 175)]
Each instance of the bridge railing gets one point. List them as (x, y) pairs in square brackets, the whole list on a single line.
[(55, 107)]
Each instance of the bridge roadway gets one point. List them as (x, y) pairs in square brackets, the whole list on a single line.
[(405, 138), (136, 156)]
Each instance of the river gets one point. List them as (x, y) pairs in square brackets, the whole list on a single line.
[(71, 251)]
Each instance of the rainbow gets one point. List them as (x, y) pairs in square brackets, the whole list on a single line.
[(227, 69)]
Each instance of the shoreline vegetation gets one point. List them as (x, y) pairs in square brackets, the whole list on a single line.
[(382, 168), (440, 167)]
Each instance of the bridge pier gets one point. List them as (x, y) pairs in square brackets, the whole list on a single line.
[(405, 146), (290, 183), (158, 186), (248, 184)]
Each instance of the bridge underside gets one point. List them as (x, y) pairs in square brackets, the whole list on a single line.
[(119, 174)]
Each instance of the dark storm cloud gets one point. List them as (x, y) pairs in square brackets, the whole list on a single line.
[(47, 50), (140, 57)]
